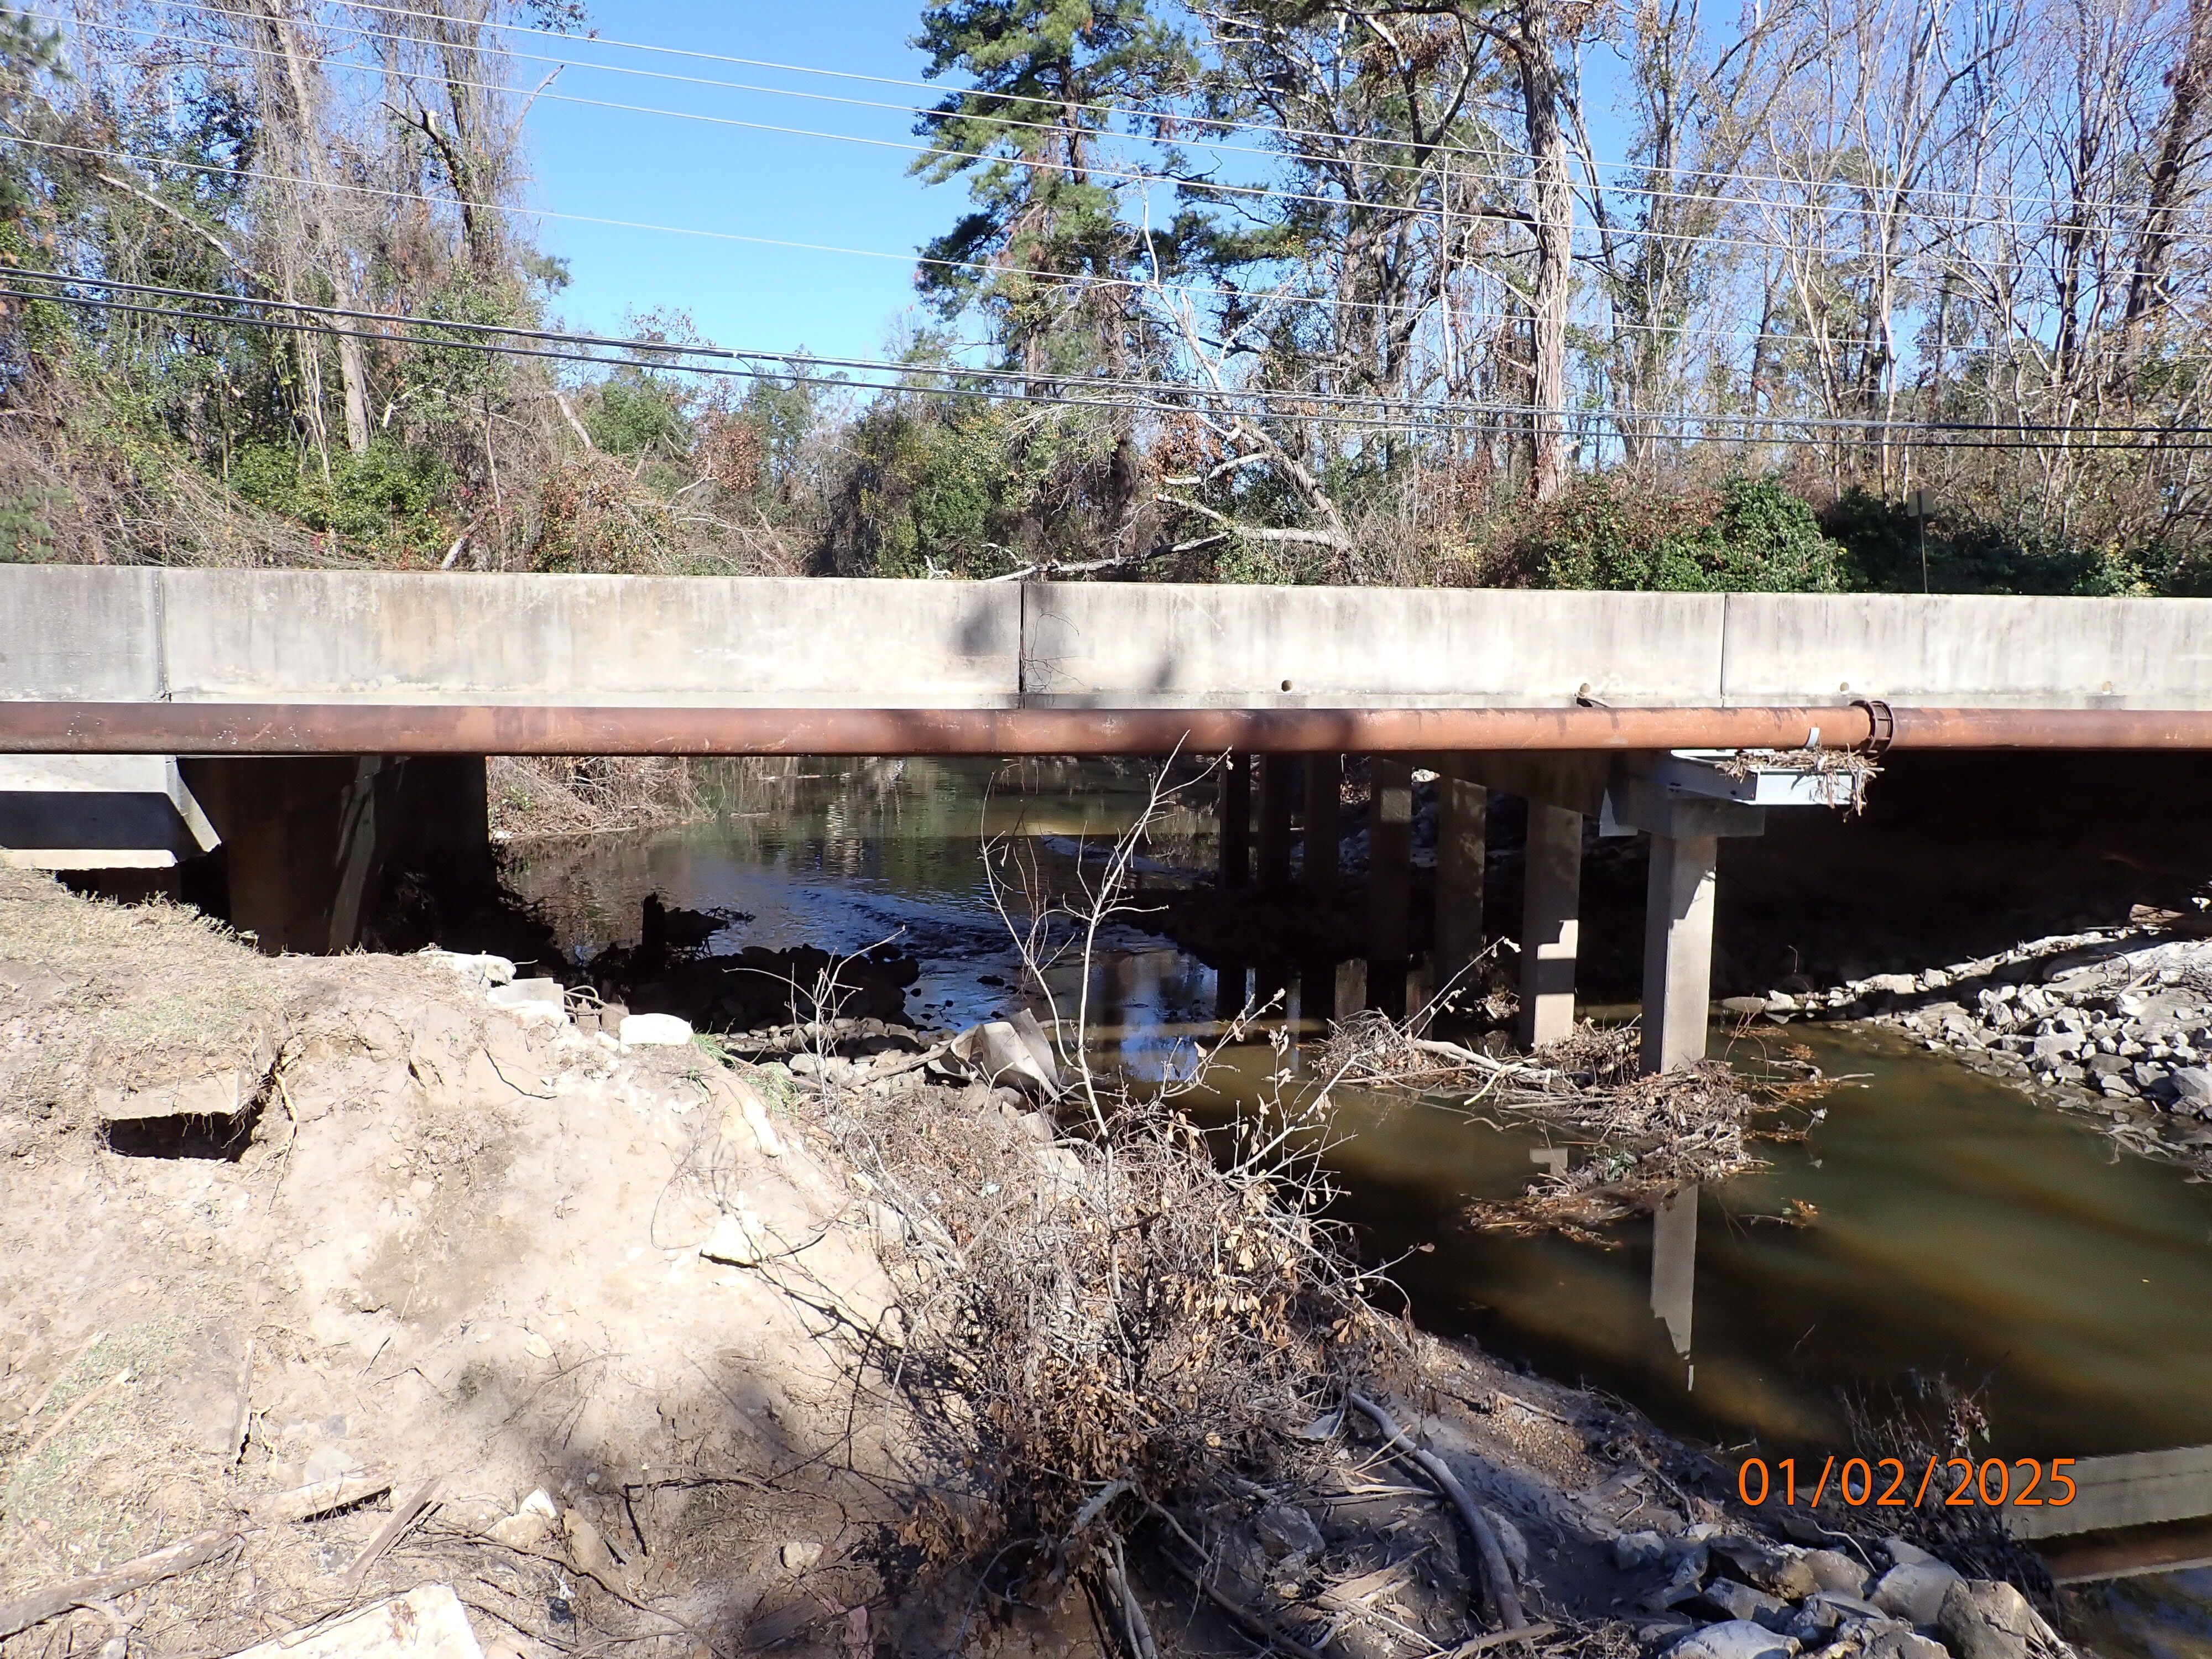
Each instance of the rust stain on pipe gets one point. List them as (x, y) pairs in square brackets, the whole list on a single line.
[(207, 728), (358, 728)]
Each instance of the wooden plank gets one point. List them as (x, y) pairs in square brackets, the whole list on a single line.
[(2131, 1491)]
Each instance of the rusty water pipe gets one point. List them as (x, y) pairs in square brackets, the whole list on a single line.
[(365, 728)]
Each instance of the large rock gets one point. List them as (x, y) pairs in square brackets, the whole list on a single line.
[(1740, 1601), (1832, 1570), (1983, 1618), (653, 1030), (1899, 1641), (1780, 1572), (2193, 1084), (1914, 1590), (1638, 1552), (1733, 1639)]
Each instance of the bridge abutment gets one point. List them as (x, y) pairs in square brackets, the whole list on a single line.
[(308, 841)]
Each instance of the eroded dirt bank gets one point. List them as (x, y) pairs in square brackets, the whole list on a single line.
[(362, 1276)]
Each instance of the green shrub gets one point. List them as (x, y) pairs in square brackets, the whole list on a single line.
[(1750, 536), (384, 501)]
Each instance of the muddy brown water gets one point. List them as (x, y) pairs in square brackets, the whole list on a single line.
[(1960, 1230)]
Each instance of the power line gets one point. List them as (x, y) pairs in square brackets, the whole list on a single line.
[(1259, 301), (1412, 411), (1956, 218), (387, 193), (1130, 175), (2054, 201)]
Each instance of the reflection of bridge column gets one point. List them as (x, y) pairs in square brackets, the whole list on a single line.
[(1675, 1265), (1275, 822), (1462, 847), (1390, 879), (1236, 824), (1324, 781), (1229, 982), (1678, 950), (1551, 928)]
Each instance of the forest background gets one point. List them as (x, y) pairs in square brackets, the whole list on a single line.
[(1876, 294)]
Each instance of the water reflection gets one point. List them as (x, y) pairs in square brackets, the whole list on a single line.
[(1675, 1271)]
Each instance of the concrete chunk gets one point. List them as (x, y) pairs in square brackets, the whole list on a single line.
[(429, 1622)]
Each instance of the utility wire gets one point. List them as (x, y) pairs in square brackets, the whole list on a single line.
[(2055, 202), (1258, 302), (1957, 218), (1234, 193), (1157, 394)]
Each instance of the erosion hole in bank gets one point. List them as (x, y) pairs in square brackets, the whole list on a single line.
[(219, 1139)]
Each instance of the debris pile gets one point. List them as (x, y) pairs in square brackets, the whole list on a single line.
[(1635, 1140)]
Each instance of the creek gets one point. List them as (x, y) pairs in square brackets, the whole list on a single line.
[(1958, 1228)]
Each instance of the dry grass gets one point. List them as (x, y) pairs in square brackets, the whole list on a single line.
[(122, 993), (534, 795)]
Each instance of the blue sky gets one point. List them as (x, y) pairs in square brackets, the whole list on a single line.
[(650, 169)]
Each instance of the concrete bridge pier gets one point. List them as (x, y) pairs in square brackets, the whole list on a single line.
[(1389, 882), (1551, 922), (1652, 794), (1462, 851), (1323, 826), (1236, 824), (1275, 822), (1678, 950)]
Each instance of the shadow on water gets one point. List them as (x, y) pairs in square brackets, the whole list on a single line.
[(1957, 1227)]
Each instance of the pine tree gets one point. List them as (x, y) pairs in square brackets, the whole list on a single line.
[(1032, 138)]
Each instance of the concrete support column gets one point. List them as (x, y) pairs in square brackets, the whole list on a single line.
[(1324, 828), (1462, 851), (1275, 822), (1551, 924), (1236, 826), (1678, 950), (1389, 881)]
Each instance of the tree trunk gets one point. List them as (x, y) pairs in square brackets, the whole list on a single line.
[(306, 110), (1541, 93), (2171, 184)]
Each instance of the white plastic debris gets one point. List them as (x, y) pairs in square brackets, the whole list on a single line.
[(485, 970), (534, 1001), (653, 1030)]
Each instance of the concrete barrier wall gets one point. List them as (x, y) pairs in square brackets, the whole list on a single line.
[(1137, 645), (1968, 651), (86, 632), (97, 633)]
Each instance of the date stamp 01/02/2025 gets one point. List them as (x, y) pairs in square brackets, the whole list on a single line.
[(1890, 1483)]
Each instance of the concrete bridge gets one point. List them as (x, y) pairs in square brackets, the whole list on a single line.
[(322, 719)]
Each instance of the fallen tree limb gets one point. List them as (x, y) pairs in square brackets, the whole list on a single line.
[(1244, 1618), (405, 1514), (50, 1600), (1497, 1577), (1499, 1637)]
